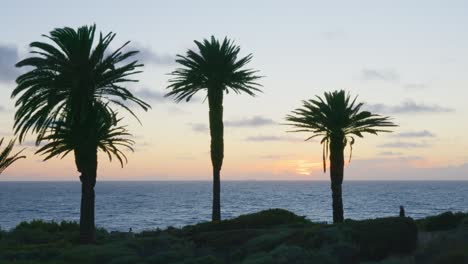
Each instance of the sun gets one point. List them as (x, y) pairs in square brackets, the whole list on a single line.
[(305, 167)]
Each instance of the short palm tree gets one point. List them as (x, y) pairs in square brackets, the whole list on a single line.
[(338, 119), (72, 80), (216, 69), (6, 159)]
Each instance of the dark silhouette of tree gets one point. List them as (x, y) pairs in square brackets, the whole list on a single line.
[(73, 81), (108, 136), (216, 69), (338, 120), (6, 159)]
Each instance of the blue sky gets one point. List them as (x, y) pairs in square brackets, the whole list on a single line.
[(406, 59)]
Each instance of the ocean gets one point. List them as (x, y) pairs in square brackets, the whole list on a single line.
[(150, 205)]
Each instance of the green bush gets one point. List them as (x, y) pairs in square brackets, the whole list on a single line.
[(382, 237), (202, 260), (447, 247), (443, 221), (285, 254), (262, 219), (40, 232)]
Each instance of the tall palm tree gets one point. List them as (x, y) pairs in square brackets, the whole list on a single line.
[(216, 69), (338, 120), (5, 158), (73, 80)]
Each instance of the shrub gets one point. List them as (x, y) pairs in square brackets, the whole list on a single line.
[(443, 221), (447, 247), (285, 254), (202, 260), (40, 232), (262, 219), (379, 238)]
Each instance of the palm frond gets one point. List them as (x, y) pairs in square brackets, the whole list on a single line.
[(6, 159)]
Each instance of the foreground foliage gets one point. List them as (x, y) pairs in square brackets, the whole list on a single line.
[(271, 236), (6, 156)]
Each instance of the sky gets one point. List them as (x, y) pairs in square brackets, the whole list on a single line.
[(405, 59)]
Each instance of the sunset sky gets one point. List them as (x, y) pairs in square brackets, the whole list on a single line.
[(405, 59)]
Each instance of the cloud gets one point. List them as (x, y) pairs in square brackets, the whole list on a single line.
[(415, 134), (379, 75), (404, 145), (157, 96), (407, 107), (148, 56), (199, 127), (333, 34), (272, 157), (176, 110), (390, 153), (255, 121), (272, 138), (415, 86), (151, 95), (8, 59)]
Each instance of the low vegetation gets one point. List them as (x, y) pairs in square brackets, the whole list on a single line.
[(272, 236)]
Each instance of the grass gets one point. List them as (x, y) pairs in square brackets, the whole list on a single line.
[(271, 236)]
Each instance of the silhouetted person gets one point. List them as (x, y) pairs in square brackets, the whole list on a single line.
[(402, 211)]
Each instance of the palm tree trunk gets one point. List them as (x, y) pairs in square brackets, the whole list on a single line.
[(215, 99), (336, 176), (88, 169)]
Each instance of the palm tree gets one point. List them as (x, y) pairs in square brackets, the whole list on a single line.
[(74, 80), (5, 158), (337, 119), (216, 69)]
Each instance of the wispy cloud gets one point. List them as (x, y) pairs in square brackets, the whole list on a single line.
[(408, 107), (8, 59), (415, 86), (379, 75), (404, 145), (273, 138), (390, 153), (151, 95), (158, 96), (255, 121), (199, 127), (415, 134), (333, 34), (148, 56), (272, 157)]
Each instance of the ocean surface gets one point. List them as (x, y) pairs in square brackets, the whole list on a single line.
[(150, 205)]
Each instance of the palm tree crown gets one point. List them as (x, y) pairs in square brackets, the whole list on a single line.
[(108, 136), (215, 66), (336, 117), (71, 76), (5, 158)]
